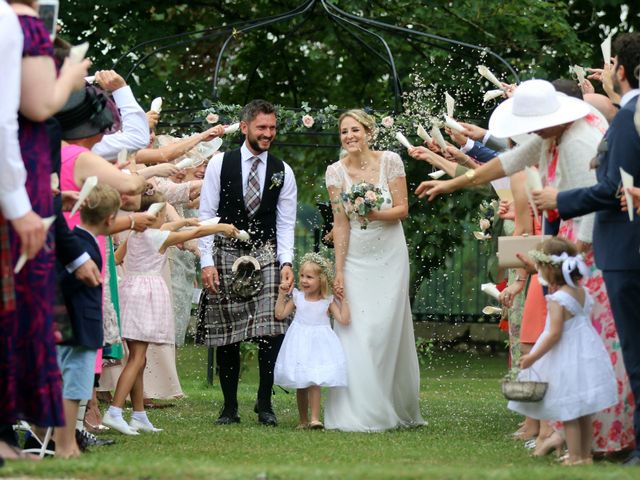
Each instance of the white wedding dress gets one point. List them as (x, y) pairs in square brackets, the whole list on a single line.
[(383, 376)]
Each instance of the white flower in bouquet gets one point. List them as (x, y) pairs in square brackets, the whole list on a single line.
[(212, 118)]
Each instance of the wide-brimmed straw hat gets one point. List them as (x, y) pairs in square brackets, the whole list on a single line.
[(535, 105)]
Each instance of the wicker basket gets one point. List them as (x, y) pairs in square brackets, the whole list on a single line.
[(524, 391)]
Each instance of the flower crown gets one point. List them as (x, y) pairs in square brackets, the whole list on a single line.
[(542, 257), (566, 262), (324, 264)]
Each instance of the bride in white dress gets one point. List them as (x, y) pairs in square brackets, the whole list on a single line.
[(372, 273)]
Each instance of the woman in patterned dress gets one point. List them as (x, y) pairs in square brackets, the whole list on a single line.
[(32, 391)]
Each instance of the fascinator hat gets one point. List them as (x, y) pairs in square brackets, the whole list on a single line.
[(535, 105), (85, 114)]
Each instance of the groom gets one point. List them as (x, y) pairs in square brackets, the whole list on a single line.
[(256, 192)]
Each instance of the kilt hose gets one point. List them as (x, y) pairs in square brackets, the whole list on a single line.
[(229, 320)]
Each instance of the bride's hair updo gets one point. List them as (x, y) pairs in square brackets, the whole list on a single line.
[(362, 117)]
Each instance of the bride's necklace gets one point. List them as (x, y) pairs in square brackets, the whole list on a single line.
[(367, 165)]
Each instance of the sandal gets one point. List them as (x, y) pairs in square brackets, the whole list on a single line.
[(302, 426), (316, 425)]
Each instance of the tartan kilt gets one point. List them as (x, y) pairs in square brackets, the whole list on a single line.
[(229, 319), (7, 287)]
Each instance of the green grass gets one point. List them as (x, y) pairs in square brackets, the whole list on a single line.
[(466, 438)]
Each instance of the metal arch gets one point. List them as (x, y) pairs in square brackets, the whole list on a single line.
[(392, 64), (285, 16), (166, 47), (395, 28), (229, 27), (335, 14), (289, 32)]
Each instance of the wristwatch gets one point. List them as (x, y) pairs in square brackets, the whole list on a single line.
[(470, 174), (285, 264)]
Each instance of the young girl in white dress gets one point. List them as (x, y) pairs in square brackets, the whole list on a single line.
[(569, 354), (311, 355), (145, 306)]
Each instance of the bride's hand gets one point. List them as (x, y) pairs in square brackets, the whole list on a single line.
[(338, 286)]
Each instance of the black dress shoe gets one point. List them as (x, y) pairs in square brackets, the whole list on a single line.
[(228, 416), (267, 417), (86, 439), (633, 461)]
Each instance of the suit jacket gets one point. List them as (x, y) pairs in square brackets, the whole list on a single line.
[(616, 240), (83, 303), (481, 152)]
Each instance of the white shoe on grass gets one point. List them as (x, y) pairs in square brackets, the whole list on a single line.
[(143, 427), (118, 423)]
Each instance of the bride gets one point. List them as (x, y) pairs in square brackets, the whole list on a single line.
[(372, 274)]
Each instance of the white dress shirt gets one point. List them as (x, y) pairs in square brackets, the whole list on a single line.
[(627, 97), (14, 200), (285, 209), (135, 127)]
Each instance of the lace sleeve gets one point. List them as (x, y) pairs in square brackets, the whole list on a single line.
[(332, 177), (394, 167), (175, 193)]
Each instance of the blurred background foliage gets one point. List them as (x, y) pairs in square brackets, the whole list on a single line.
[(311, 59)]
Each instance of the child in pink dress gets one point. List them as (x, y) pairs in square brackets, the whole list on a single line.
[(145, 306)]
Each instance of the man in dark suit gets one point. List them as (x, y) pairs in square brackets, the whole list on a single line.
[(616, 240)]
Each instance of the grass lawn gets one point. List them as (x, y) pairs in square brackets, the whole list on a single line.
[(466, 438)]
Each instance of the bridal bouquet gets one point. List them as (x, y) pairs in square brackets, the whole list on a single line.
[(362, 199)]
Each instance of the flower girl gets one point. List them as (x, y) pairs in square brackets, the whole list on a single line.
[(146, 312), (569, 354), (311, 355)]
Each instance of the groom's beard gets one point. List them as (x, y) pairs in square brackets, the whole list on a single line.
[(253, 141)]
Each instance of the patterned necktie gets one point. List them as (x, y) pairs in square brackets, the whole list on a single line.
[(252, 196)]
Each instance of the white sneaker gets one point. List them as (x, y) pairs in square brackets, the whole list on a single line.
[(143, 427), (118, 424)]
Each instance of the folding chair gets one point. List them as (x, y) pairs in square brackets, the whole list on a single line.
[(23, 426)]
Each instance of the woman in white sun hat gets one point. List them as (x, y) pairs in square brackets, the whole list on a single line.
[(567, 134)]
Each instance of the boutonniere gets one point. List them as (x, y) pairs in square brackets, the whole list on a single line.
[(276, 179)]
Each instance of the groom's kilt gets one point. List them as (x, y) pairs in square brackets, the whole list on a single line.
[(229, 319)]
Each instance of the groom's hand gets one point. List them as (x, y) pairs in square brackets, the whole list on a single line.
[(210, 279), (286, 277)]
